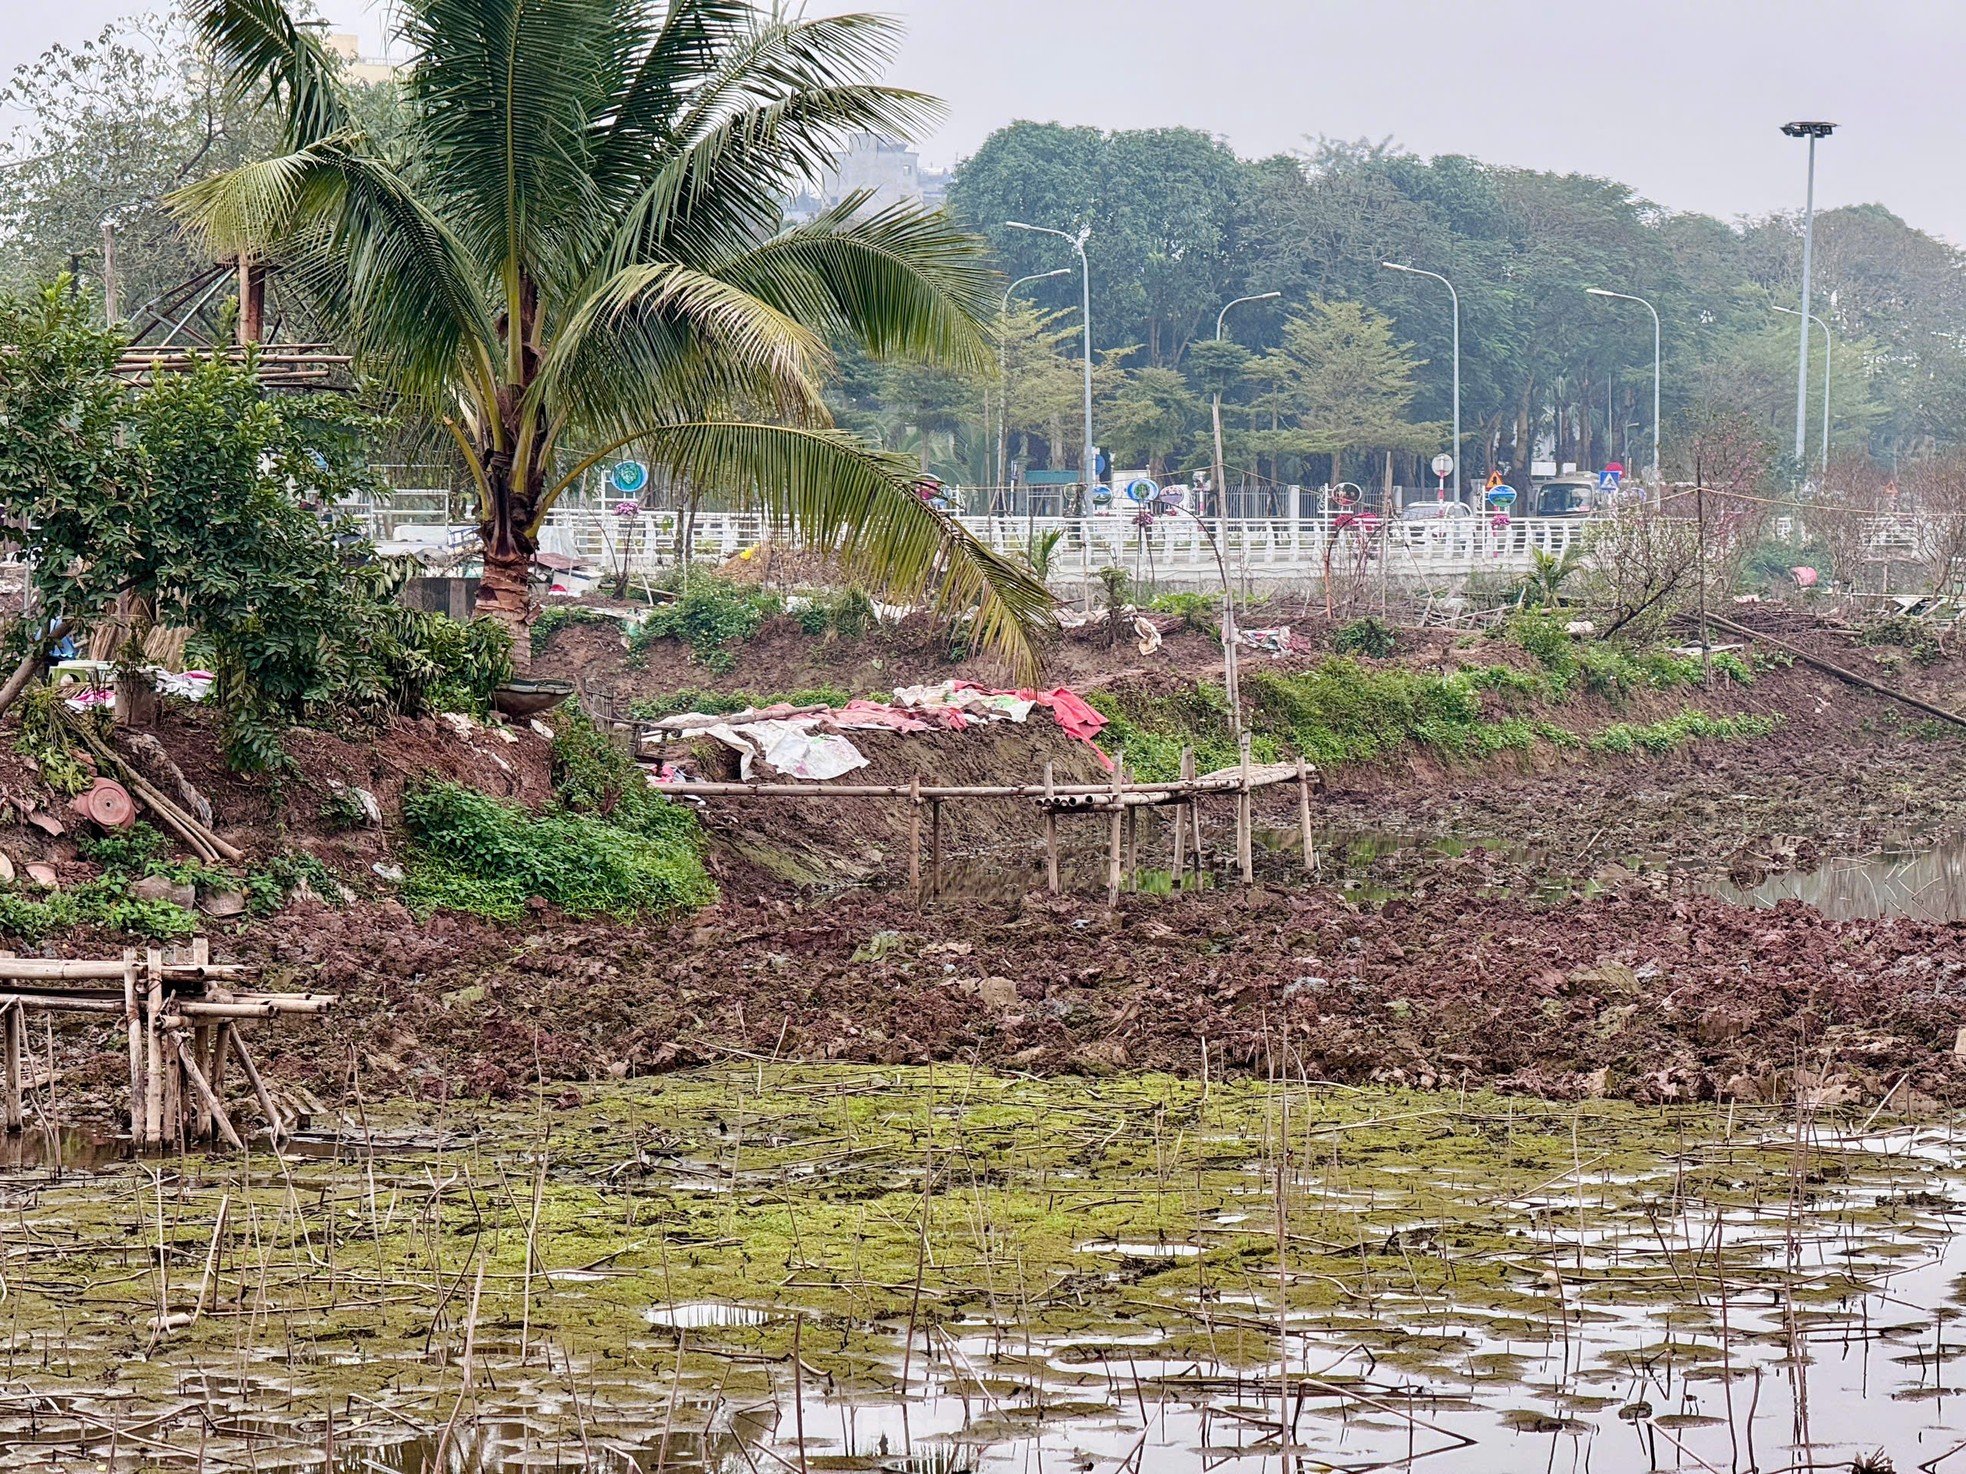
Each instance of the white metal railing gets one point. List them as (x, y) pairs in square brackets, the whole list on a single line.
[(1172, 548)]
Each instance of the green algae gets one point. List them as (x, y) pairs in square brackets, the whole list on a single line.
[(1094, 1220)]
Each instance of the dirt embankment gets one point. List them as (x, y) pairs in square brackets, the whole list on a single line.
[(1647, 996), (1631, 989)]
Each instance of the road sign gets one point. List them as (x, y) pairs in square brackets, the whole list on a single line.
[(1443, 464), (628, 476), (1608, 478)]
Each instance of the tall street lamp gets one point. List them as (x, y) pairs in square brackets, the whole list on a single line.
[(1003, 368), (1456, 296), (1231, 666), (1812, 132), (1215, 405), (1077, 243), (1628, 297), (1828, 344)]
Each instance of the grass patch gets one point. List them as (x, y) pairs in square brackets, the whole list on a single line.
[(1344, 712), (1676, 731), (710, 616), (472, 853)]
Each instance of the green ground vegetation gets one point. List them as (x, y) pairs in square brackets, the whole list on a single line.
[(609, 844), (1344, 710), (841, 1203)]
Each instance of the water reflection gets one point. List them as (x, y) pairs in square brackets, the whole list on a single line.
[(1924, 881)]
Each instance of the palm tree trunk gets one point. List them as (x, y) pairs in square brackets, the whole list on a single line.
[(505, 588)]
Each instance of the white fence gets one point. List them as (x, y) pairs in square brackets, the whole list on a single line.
[(1173, 551)]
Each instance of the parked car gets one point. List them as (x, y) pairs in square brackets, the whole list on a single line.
[(1566, 496)]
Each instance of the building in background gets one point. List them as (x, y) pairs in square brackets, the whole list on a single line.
[(890, 173), (354, 66)]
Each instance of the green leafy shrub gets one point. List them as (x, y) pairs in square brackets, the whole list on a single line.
[(472, 853), (1544, 637), (1198, 611), (1368, 636), (710, 616), (1913, 636)]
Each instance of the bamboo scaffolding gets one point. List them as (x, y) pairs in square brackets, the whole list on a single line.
[(181, 1022)]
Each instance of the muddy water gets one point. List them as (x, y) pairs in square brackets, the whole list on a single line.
[(1925, 880), (777, 1267)]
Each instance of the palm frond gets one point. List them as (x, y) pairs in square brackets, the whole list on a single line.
[(383, 269), (260, 49), (664, 341), (904, 282), (833, 491)]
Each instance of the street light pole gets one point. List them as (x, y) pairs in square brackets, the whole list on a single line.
[(1231, 666), (1077, 243), (1628, 297), (1003, 369), (1829, 344), (1220, 482), (1456, 296), (1812, 132)]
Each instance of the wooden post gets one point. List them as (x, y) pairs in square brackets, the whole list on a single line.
[(201, 1118), (133, 1021), (1050, 836), (1113, 843), (1194, 818), (13, 1022), (153, 1054), (275, 1124), (915, 840), (215, 1063), (1304, 817), (934, 848), (211, 1108), (1132, 849), (1181, 819), (1245, 820)]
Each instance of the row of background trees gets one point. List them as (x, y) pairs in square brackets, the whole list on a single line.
[(1348, 364), (1352, 358)]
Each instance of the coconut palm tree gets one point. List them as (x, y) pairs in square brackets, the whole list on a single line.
[(574, 247)]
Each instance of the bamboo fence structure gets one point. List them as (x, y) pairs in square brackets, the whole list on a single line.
[(1119, 801), (184, 1022)]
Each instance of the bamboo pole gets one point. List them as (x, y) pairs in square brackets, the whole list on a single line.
[(13, 1022), (202, 1123), (213, 1108), (215, 1063), (1245, 820), (1181, 820), (153, 1068), (1194, 818), (1114, 839), (915, 841), (133, 1022), (1304, 817), (934, 848), (1226, 780), (275, 1123), (1050, 836), (1132, 850)]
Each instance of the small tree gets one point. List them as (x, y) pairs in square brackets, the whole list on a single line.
[(188, 503)]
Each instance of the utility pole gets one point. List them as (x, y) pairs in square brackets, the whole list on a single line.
[(110, 314), (1077, 243), (1812, 132), (1456, 298)]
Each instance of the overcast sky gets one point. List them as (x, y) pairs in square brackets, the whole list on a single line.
[(1679, 98)]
